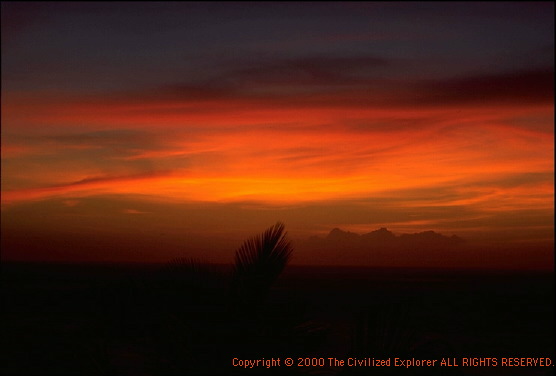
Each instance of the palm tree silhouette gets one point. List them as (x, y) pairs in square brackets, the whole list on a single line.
[(198, 320), (258, 263)]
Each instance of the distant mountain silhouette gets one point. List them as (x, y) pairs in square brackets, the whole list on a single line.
[(339, 235), (381, 235), (384, 239)]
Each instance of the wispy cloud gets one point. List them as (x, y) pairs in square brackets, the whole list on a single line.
[(134, 211)]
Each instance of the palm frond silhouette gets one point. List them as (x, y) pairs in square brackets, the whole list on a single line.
[(258, 263)]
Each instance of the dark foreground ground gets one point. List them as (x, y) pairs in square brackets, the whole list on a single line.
[(152, 320)]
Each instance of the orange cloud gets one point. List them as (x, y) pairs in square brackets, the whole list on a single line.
[(286, 154)]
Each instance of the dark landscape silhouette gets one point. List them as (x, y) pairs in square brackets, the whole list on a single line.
[(190, 317), (383, 238)]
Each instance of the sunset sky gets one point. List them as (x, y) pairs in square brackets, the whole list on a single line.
[(140, 131)]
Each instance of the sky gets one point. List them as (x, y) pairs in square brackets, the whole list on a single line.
[(141, 131)]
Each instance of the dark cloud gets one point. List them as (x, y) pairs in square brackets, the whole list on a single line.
[(119, 141), (117, 144), (259, 79), (112, 179), (524, 86), (311, 70), (349, 82), (211, 90)]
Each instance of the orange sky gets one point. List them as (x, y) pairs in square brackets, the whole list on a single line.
[(486, 152), (453, 148)]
